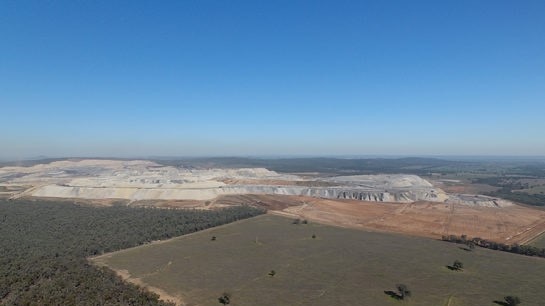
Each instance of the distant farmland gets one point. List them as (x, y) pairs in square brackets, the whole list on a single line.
[(337, 267)]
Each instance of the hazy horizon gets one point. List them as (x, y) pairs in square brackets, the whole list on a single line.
[(246, 78), (471, 158)]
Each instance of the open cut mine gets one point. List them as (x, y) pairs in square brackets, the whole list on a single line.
[(146, 180)]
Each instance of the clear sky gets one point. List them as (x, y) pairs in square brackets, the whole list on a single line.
[(186, 78)]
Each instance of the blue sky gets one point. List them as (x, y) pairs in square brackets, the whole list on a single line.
[(186, 78)]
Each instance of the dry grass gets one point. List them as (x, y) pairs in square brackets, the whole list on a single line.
[(338, 267)]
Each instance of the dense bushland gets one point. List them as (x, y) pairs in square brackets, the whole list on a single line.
[(44, 245)]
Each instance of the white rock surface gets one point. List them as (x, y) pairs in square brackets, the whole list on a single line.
[(146, 180), (478, 200)]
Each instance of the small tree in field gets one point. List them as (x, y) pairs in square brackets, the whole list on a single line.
[(272, 273), (225, 299), (403, 291), (512, 300), (458, 265)]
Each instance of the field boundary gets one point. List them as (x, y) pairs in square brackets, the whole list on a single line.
[(157, 242)]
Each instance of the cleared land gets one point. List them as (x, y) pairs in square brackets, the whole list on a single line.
[(513, 224), (339, 267)]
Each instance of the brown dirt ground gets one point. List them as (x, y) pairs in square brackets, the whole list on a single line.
[(515, 224)]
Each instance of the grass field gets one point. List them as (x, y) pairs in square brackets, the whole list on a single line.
[(338, 267), (539, 241)]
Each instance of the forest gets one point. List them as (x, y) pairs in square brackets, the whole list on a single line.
[(45, 245)]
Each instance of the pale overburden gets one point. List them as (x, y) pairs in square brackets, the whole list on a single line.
[(146, 180)]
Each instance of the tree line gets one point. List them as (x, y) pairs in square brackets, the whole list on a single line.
[(527, 250), (44, 246)]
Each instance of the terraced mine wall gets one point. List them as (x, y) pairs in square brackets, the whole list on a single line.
[(146, 180), (211, 193)]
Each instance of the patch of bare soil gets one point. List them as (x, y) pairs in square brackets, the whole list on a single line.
[(514, 224)]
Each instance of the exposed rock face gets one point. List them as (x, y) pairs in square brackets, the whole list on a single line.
[(212, 192), (377, 196), (145, 180), (383, 188), (382, 181), (478, 200)]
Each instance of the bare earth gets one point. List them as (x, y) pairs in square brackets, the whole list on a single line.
[(513, 224)]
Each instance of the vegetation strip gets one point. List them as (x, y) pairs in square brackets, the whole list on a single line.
[(527, 250)]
